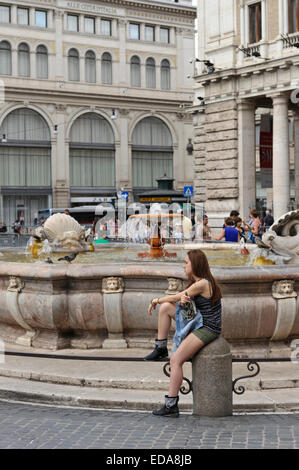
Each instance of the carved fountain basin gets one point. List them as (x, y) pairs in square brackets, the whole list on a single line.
[(105, 305), (93, 306)]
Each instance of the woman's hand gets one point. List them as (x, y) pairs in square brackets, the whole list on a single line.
[(152, 306), (184, 298)]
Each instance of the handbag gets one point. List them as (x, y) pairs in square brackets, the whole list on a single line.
[(189, 310)]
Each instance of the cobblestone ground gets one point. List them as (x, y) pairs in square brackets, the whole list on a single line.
[(26, 426)]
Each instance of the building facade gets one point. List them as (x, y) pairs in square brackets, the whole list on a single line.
[(93, 100), (246, 117)]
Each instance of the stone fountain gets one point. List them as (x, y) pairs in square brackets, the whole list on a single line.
[(60, 233), (280, 244), (105, 305)]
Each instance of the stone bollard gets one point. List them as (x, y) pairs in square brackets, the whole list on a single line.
[(212, 380)]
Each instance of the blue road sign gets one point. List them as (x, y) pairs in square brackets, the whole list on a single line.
[(188, 191), (125, 195)]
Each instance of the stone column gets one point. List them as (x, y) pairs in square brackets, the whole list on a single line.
[(281, 164), (122, 66), (122, 154), (296, 158), (59, 59), (14, 17), (60, 161), (212, 380), (246, 156)]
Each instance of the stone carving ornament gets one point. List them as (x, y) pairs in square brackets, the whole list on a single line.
[(15, 284), (113, 285), (283, 289), (64, 231), (174, 286), (281, 241)]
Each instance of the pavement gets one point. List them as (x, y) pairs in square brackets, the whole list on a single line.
[(27, 426), (132, 385)]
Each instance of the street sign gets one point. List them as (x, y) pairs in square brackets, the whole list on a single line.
[(124, 195), (188, 191)]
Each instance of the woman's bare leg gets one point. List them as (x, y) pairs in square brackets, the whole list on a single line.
[(186, 350), (166, 313)]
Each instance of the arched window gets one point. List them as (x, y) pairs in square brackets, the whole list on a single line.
[(92, 152), (5, 58), (23, 60), (90, 67), (135, 72), (25, 164), (152, 152), (150, 73), (73, 65), (41, 62), (165, 75), (25, 159), (106, 69)]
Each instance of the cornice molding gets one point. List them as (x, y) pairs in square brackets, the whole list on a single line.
[(174, 8)]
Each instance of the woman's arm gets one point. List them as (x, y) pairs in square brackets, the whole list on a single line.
[(222, 234), (199, 287), (247, 227)]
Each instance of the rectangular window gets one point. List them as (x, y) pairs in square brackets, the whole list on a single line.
[(106, 29), (164, 35), (23, 16), (4, 14), (89, 25), (255, 22), (150, 33), (41, 18), (134, 31), (293, 7), (73, 23)]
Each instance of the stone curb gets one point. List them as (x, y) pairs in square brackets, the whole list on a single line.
[(123, 399)]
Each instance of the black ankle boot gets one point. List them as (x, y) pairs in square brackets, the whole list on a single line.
[(159, 352), (170, 408)]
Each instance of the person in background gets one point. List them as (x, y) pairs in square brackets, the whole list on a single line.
[(263, 217), (268, 220), (187, 227), (233, 215), (22, 218), (178, 232), (66, 212), (206, 230), (253, 227), (229, 232), (3, 227), (238, 226), (17, 227)]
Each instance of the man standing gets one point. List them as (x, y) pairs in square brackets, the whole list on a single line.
[(268, 220), (206, 230)]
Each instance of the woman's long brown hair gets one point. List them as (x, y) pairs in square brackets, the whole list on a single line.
[(200, 268)]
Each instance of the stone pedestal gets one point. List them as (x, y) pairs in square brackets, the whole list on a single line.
[(212, 380)]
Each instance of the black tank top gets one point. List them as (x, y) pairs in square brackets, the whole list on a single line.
[(211, 313)]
